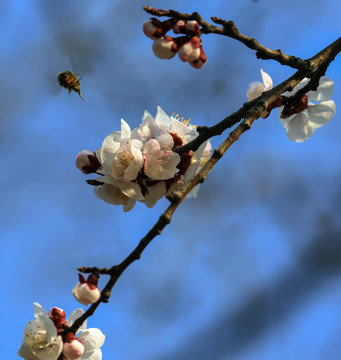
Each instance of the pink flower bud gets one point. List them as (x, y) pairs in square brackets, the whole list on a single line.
[(153, 29), (86, 291), (87, 162), (179, 27), (199, 63), (190, 51), (72, 348), (165, 47), (192, 27)]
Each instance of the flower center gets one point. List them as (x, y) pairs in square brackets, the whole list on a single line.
[(122, 162), (36, 337), (182, 121)]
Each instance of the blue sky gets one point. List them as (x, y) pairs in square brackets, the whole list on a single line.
[(251, 268)]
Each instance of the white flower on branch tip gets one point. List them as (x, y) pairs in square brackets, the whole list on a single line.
[(314, 110), (86, 291), (257, 88), (42, 340), (142, 164)]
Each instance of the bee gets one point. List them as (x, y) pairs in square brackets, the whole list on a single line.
[(70, 81)]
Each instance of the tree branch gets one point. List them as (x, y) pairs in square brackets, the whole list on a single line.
[(229, 29), (314, 68)]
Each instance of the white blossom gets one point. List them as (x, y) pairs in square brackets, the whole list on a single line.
[(41, 341), (92, 338), (257, 88), (315, 110)]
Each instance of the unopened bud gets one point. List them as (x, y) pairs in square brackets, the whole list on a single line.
[(192, 27), (86, 291), (179, 27), (87, 162), (190, 51), (153, 29), (165, 47), (57, 315), (72, 348), (199, 63)]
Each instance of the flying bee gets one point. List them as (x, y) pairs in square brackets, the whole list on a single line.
[(70, 81)]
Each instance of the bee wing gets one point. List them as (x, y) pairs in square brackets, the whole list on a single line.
[(84, 48), (80, 65), (51, 82)]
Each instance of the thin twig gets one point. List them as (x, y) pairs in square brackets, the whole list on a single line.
[(176, 198), (229, 29)]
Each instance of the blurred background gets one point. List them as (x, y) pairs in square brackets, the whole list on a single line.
[(251, 269)]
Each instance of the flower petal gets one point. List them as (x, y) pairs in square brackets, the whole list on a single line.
[(255, 89), (25, 351), (38, 310), (125, 130), (113, 195), (163, 120), (52, 352), (267, 81), (48, 325), (322, 113), (298, 129), (155, 193), (110, 146), (165, 140), (159, 165), (92, 339), (129, 204), (92, 355), (324, 90), (77, 313), (131, 172)]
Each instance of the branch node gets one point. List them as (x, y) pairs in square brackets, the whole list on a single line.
[(217, 154), (202, 129), (202, 179), (174, 197), (105, 296), (165, 218)]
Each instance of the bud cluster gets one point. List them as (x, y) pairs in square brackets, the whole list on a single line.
[(188, 46)]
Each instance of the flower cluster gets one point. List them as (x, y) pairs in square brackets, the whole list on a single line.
[(188, 46), (141, 164), (45, 337), (314, 110)]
